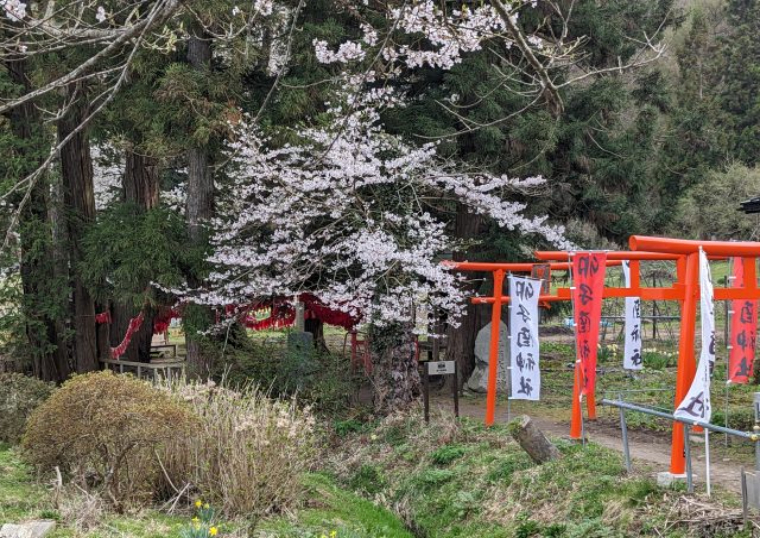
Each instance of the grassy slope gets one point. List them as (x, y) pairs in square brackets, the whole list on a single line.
[(443, 480), (335, 510), (23, 498), (465, 481), (329, 509)]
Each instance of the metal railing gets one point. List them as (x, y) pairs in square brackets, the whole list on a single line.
[(753, 436)]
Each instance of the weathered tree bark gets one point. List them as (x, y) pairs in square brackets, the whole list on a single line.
[(141, 188), (396, 379), (200, 208), (532, 440), (103, 333), (79, 201), (46, 345), (460, 341), (141, 180)]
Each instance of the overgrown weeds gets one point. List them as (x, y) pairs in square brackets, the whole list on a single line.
[(322, 379), (457, 478), (247, 453)]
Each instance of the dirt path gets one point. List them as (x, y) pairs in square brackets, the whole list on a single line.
[(648, 448)]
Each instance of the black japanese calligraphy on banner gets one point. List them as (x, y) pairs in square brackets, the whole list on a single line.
[(743, 331), (588, 288), (523, 329), (634, 347)]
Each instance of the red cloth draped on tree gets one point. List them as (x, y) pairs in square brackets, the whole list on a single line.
[(283, 314), (134, 326)]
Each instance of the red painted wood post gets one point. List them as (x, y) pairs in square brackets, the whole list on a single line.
[(493, 353), (686, 360)]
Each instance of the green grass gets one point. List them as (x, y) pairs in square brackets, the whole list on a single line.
[(469, 481), (23, 498), (20, 497), (335, 509), (329, 508)]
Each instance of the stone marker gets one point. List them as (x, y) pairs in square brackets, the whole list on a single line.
[(478, 381), (31, 529), (532, 440)]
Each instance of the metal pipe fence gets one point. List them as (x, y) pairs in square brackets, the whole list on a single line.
[(753, 436)]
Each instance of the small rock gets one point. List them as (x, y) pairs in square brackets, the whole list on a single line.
[(31, 529)]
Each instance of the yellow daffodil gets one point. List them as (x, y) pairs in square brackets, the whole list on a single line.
[(195, 520), (206, 506), (213, 531), (198, 503), (333, 534)]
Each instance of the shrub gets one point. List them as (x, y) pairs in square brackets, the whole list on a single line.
[(321, 379), (103, 431), (19, 396), (248, 454), (446, 454)]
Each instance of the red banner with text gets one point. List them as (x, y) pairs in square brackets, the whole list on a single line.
[(588, 287), (743, 331)]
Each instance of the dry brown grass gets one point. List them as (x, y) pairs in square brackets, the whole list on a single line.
[(247, 454), (81, 510)]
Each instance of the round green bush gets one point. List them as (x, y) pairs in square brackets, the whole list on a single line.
[(19, 396), (104, 432)]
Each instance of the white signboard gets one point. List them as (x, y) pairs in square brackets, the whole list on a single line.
[(697, 405), (634, 348), (523, 326), (441, 367)]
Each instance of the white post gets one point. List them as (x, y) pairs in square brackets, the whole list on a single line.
[(707, 461), (509, 343)]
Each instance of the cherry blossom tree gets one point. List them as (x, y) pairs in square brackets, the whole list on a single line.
[(347, 213), (347, 216)]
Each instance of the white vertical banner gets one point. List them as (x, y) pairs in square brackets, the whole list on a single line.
[(696, 405), (634, 346), (523, 329)]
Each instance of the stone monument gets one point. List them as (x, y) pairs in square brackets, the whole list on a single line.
[(478, 381)]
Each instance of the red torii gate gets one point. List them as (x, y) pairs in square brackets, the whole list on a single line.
[(498, 300), (685, 290)]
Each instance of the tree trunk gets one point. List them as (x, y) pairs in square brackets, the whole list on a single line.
[(396, 379), (141, 180), (79, 202), (317, 329), (141, 188), (532, 440), (460, 341), (46, 344), (200, 208)]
